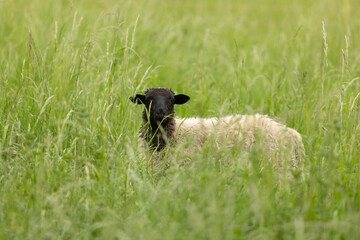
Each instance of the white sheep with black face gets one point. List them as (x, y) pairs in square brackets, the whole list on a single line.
[(244, 130)]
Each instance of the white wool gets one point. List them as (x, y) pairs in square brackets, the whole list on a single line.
[(244, 129)]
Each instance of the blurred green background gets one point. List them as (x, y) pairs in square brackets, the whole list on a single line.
[(69, 161)]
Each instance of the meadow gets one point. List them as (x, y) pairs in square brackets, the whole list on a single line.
[(70, 167)]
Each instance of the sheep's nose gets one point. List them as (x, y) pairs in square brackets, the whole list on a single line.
[(160, 112), (160, 115)]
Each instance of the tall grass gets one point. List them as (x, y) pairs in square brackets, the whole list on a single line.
[(69, 164)]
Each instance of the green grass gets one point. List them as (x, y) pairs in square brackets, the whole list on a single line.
[(69, 161)]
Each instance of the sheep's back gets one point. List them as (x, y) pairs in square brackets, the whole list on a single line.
[(244, 129)]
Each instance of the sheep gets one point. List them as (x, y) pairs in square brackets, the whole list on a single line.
[(160, 127)]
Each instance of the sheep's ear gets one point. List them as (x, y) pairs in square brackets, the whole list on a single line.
[(181, 99), (138, 99)]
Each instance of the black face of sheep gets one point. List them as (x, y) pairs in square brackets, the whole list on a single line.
[(159, 104)]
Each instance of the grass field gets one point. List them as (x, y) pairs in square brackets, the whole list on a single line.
[(69, 161)]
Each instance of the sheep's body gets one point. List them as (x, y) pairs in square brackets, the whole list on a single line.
[(236, 126), (245, 130)]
